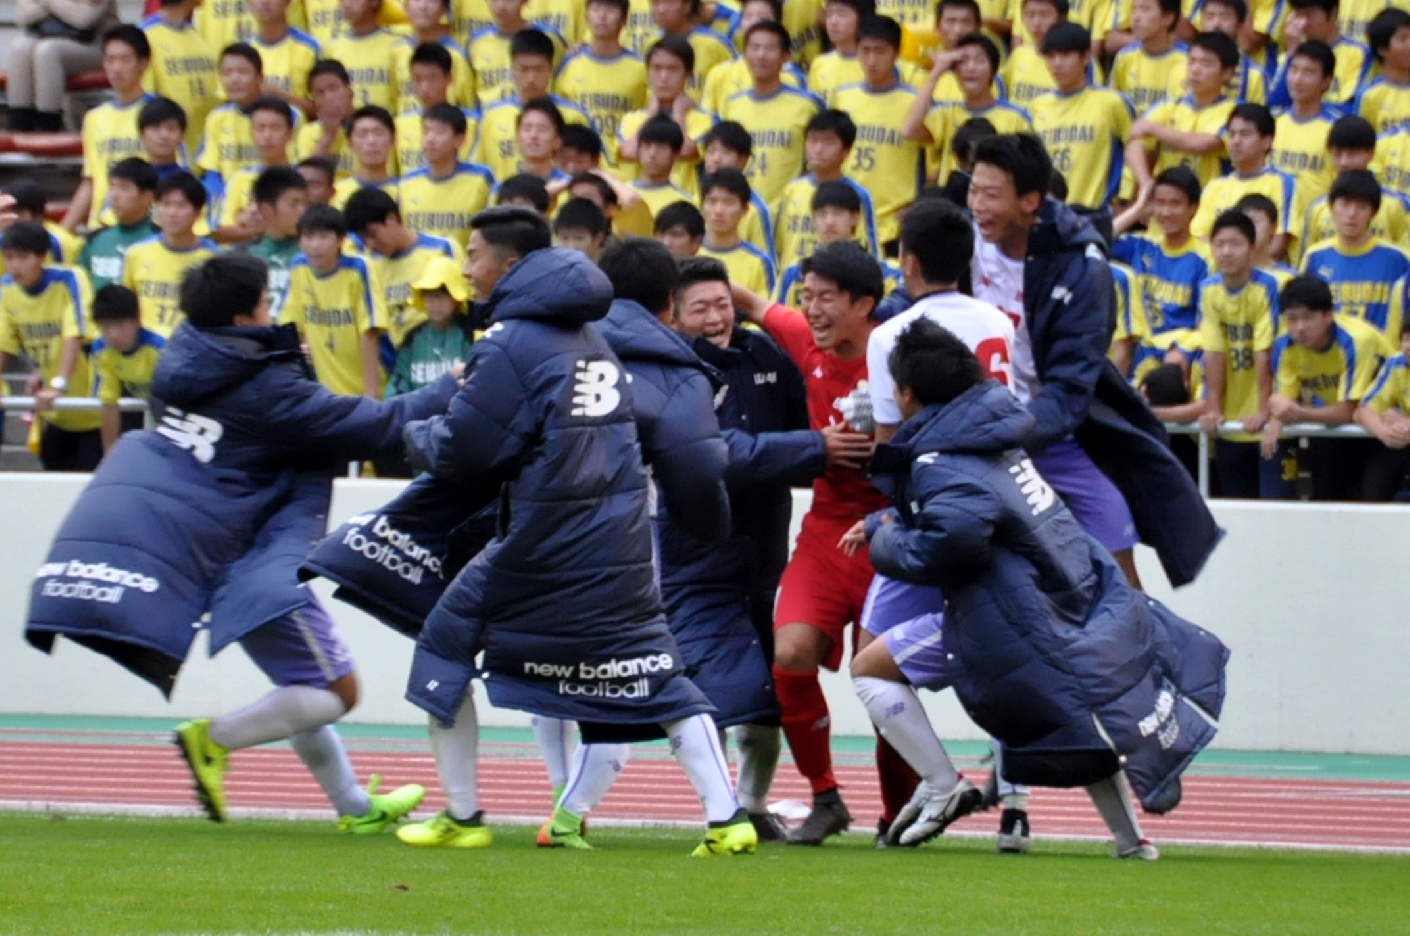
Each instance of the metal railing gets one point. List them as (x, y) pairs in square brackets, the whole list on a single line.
[(25, 404), (1227, 430)]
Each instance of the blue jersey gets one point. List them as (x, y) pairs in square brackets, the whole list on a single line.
[(1169, 280), (1360, 279)]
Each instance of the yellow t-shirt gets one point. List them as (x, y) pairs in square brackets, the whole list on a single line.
[(1085, 133), (109, 136), (565, 18), (1185, 115), (37, 323), (398, 273), (228, 144), (882, 161), (1224, 193), (686, 172), (795, 236), (443, 207), (462, 76), (370, 61), (606, 89), (944, 121), (489, 57), (154, 272), (1385, 105), (182, 68), (730, 78), (333, 311), (1392, 161), (658, 197), (748, 266), (1025, 77), (225, 22), (498, 147), (777, 125), (343, 189), (1146, 79), (1391, 391), (306, 139), (1344, 370), (1388, 224), (408, 146), (1300, 150), (127, 373), (1239, 323), (287, 62)]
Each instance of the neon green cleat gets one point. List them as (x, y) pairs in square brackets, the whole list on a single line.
[(385, 809), (207, 762), (441, 831), (736, 837), (563, 830)]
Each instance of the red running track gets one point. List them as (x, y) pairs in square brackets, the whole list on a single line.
[(1353, 815)]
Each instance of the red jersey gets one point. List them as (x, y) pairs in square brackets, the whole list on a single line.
[(835, 389)]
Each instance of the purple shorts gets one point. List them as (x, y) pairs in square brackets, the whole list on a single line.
[(1093, 499), (302, 648), (918, 647), (891, 602)]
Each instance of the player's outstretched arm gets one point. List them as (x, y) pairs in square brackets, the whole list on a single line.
[(688, 461), (949, 536), (794, 458), (487, 425)]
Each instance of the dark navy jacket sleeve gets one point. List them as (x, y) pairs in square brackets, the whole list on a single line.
[(792, 458), (484, 430), (308, 419), (689, 461), (1077, 317), (952, 532)]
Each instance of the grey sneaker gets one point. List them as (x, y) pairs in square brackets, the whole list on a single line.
[(829, 817), (1142, 851), (1015, 834)]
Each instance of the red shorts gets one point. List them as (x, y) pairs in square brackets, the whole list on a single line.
[(822, 587)]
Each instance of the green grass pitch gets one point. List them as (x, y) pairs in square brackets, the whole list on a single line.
[(97, 876)]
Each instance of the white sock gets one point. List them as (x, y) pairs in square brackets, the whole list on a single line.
[(696, 746), (759, 747), (323, 754), (556, 738), (456, 749), (1013, 795), (896, 711), (1112, 797), (595, 769), (281, 714)]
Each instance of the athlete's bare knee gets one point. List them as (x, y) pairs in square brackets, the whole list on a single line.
[(346, 689), (797, 650)]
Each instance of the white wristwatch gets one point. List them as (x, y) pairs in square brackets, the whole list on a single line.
[(59, 383)]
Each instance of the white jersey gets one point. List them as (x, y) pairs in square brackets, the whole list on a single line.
[(987, 331), (999, 280)]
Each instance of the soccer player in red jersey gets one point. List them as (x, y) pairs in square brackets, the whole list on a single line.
[(823, 590)]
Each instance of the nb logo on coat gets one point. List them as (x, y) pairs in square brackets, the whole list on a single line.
[(595, 390), (196, 434), (1040, 496)]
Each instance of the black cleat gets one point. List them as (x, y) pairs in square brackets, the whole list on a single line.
[(829, 817), (768, 827), (1015, 834)]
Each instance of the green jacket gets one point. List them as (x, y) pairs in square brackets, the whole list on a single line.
[(428, 353)]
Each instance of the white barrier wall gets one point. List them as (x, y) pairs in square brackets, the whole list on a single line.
[(1305, 596)]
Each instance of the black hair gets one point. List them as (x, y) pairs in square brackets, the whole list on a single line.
[(643, 271), (835, 122), (28, 196), (433, 54), (448, 114), (580, 138), (1239, 7), (185, 183), (513, 230), (1182, 178), (1220, 45), (986, 45), (369, 206), (1057, 186), (1256, 114), (323, 164), (245, 51), (883, 28), (731, 135), (662, 129), (268, 102), (1020, 155), (1309, 292), (1357, 185), (1351, 132), (623, 5), (677, 47), (732, 181), (969, 5), (680, 214), (319, 218), (531, 42), (1317, 51), (26, 237), (372, 112), (579, 214), (1234, 218), (934, 365), (1382, 28), (1165, 386), (1062, 6), (115, 303), (329, 67), (136, 170), (774, 28), (940, 237), (967, 137), (848, 264), (609, 195), (1259, 203), (158, 111), (273, 182), (543, 105), (527, 187), (1067, 37), (697, 270), (838, 193), (225, 286), (1170, 8), (863, 8), (776, 6), (130, 36), (1328, 7)]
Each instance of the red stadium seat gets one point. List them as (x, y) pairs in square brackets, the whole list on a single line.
[(93, 80), (49, 145), (7, 142), (55, 211)]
